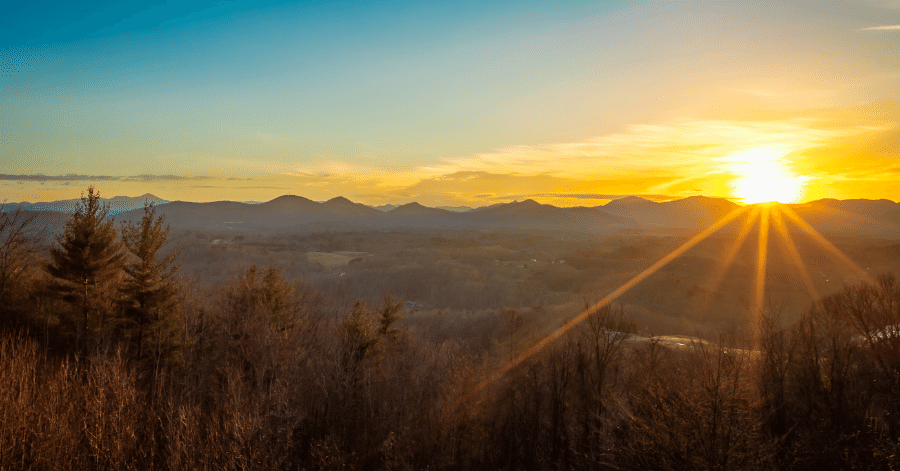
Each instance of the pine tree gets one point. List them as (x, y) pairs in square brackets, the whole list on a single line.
[(150, 294), (368, 330), (270, 293), (87, 259)]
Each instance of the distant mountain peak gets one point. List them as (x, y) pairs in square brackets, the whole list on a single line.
[(705, 200), (529, 203), (339, 200), (630, 199), (416, 208), (290, 203), (288, 198), (410, 206)]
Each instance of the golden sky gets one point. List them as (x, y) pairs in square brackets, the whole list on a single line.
[(453, 104)]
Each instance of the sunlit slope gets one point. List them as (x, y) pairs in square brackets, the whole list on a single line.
[(690, 213), (879, 218)]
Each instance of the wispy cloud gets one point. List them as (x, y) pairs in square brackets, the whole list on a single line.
[(670, 147), (881, 28), (660, 161), (242, 187), (79, 178), (580, 196), (156, 178)]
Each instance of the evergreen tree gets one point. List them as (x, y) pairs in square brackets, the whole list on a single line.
[(150, 294), (269, 293), (368, 330), (86, 261)]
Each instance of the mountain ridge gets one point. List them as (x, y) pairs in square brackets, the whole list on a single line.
[(633, 212), (117, 204)]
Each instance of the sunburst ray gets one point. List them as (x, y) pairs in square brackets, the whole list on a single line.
[(761, 258), (821, 240), (729, 258), (788, 242), (611, 296)]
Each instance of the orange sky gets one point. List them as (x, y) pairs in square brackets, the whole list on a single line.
[(470, 105)]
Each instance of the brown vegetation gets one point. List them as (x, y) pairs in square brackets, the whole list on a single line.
[(263, 372)]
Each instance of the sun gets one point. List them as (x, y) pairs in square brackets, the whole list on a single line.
[(762, 176)]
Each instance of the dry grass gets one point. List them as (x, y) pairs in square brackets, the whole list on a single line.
[(253, 390)]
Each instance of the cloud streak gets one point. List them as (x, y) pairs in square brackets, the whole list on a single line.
[(581, 196), (80, 178), (881, 28), (674, 148), (659, 161)]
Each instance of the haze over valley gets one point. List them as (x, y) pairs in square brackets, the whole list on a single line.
[(505, 235), (540, 259)]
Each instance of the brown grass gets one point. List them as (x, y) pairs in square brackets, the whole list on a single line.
[(252, 390)]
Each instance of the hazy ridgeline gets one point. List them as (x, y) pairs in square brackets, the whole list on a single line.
[(110, 361)]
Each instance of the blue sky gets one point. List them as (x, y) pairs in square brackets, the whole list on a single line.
[(444, 102)]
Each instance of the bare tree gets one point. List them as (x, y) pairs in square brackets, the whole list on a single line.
[(599, 360), (17, 244)]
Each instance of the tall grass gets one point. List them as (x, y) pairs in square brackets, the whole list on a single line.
[(299, 391)]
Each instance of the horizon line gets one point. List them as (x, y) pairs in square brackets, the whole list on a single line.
[(514, 199)]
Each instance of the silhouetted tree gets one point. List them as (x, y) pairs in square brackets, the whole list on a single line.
[(829, 383), (150, 294), (599, 355), (268, 292), (368, 328), (87, 258), (260, 324)]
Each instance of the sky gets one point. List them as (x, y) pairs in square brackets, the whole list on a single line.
[(451, 103)]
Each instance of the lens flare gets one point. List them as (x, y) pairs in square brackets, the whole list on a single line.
[(768, 215), (763, 177)]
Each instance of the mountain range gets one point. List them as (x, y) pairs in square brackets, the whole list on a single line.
[(289, 210), (118, 204), (842, 217)]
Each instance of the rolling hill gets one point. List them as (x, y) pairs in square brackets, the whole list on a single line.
[(879, 218)]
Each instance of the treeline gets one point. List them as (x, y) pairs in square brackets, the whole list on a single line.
[(109, 361)]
